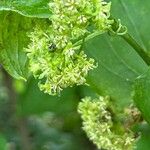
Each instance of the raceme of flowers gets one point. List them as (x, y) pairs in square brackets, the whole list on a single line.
[(55, 57), (98, 125)]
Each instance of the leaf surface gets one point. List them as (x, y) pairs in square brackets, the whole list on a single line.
[(29, 8), (119, 64), (143, 141), (13, 40), (3, 143), (42, 102), (141, 94)]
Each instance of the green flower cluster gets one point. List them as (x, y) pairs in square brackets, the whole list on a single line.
[(54, 55), (98, 125)]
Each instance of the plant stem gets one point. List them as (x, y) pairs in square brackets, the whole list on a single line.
[(132, 42), (24, 133), (18, 122), (119, 29), (127, 37), (78, 43)]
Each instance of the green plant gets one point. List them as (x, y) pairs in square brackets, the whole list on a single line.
[(103, 45)]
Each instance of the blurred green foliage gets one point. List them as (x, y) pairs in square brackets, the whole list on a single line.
[(43, 122), (40, 121), (32, 120)]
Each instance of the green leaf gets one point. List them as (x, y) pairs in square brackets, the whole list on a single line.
[(13, 39), (13, 32), (3, 143), (119, 64), (141, 94), (33, 101), (143, 143), (29, 8)]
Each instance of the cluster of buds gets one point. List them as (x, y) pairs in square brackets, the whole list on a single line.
[(55, 57), (98, 125)]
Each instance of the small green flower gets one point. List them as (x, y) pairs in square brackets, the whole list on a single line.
[(54, 57), (98, 125)]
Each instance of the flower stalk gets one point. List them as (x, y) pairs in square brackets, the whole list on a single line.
[(132, 42), (118, 29)]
